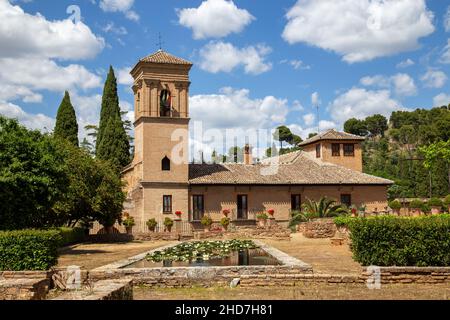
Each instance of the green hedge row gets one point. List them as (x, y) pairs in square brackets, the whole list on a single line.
[(400, 241), (71, 235), (29, 249)]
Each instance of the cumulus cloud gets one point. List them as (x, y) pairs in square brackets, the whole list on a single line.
[(360, 103), (124, 77), (214, 19), (359, 30), (309, 119), (111, 28), (315, 99), (26, 35), (434, 78), (32, 121), (123, 6), (401, 83), (441, 99), (405, 63), (218, 56)]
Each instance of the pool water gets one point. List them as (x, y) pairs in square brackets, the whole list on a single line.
[(247, 257)]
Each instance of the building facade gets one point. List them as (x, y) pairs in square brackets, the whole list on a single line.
[(160, 180)]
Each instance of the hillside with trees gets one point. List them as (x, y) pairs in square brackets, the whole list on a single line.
[(410, 148)]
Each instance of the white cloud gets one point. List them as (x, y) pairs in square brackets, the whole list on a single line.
[(214, 19), (23, 34), (447, 20), (360, 103), (359, 30), (110, 27), (401, 83), (218, 56), (445, 56), (32, 121), (309, 119), (315, 99), (405, 63), (441, 99), (434, 78), (123, 6), (124, 77), (297, 64)]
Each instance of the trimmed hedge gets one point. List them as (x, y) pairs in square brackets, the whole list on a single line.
[(70, 236), (29, 249), (399, 241)]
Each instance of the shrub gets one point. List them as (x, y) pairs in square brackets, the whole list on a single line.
[(70, 235), (416, 204), (395, 205), (206, 221), (262, 216), (151, 223), (447, 200), (401, 241), (343, 221), (29, 249), (168, 222), (129, 222), (435, 202), (225, 221)]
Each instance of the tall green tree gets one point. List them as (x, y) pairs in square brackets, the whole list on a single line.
[(355, 126), (112, 142), (284, 135), (66, 121), (437, 152), (376, 124)]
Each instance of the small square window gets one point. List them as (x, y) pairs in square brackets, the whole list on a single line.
[(336, 149), (349, 150)]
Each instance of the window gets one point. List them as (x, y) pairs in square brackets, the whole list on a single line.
[(138, 102), (346, 199), (336, 149), (242, 207), (296, 202), (167, 204), (165, 164), (165, 103), (198, 207), (318, 150), (349, 150)]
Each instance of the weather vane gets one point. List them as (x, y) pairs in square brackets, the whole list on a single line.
[(160, 42)]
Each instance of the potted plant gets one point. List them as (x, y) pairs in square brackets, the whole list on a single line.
[(353, 210), (416, 207), (436, 205), (271, 212), (226, 212), (362, 211), (128, 222), (206, 222), (178, 214), (168, 223), (447, 202), (151, 224), (395, 205), (225, 222), (262, 218)]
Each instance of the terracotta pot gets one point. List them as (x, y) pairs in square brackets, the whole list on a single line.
[(169, 229), (225, 228), (262, 222), (129, 230), (206, 229), (152, 229), (435, 210), (396, 211), (416, 212)]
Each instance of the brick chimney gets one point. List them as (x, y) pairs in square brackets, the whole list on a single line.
[(248, 154)]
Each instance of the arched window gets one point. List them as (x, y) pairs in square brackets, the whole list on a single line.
[(165, 103), (165, 164)]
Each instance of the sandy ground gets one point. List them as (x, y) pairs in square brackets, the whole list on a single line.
[(93, 255), (305, 291)]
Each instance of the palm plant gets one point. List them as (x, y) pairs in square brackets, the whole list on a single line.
[(324, 208)]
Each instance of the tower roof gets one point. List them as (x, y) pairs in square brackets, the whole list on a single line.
[(163, 57), (331, 135)]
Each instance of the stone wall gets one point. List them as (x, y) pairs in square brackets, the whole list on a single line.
[(319, 228), (24, 288), (412, 274), (117, 289)]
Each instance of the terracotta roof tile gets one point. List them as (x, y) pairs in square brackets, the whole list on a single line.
[(331, 135), (161, 56), (294, 168)]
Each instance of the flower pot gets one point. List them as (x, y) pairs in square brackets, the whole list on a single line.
[(416, 212), (262, 222), (435, 210), (396, 211), (168, 229), (151, 229), (129, 230), (225, 228), (206, 229)]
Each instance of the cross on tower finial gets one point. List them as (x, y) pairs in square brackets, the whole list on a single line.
[(160, 42)]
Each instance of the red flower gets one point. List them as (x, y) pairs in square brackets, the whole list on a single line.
[(271, 211), (226, 212), (178, 213)]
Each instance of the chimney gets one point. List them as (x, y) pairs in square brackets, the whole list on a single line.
[(248, 154)]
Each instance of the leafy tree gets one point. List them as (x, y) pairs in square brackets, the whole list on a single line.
[(312, 134), (376, 124), (295, 140), (66, 121), (355, 126), (32, 177), (112, 141), (439, 151), (284, 134), (236, 154)]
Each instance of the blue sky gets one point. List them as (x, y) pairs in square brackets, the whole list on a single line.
[(272, 60)]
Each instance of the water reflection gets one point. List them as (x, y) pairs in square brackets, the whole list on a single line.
[(247, 257)]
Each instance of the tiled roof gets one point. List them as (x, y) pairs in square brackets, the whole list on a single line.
[(294, 168), (331, 135), (161, 56)]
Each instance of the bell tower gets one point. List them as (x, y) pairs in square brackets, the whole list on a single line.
[(160, 166)]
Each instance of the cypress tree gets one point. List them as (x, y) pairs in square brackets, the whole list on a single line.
[(112, 141), (66, 121)]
